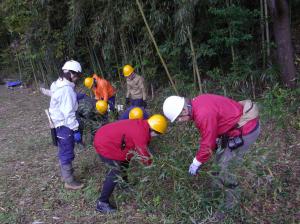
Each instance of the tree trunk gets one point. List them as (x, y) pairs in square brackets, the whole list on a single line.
[(279, 11)]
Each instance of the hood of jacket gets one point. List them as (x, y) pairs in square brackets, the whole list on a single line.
[(59, 83)]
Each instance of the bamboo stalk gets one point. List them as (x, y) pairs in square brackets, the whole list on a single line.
[(116, 57), (97, 60), (123, 48), (195, 65), (19, 67), (42, 71), (267, 29), (33, 72), (91, 55), (228, 3), (156, 47), (262, 29)]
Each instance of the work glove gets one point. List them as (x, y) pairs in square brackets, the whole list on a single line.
[(127, 101), (77, 137), (194, 167), (144, 104), (46, 92)]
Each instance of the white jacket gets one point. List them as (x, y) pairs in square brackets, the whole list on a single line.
[(63, 104)]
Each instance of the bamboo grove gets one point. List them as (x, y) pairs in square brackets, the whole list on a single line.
[(189, 44)]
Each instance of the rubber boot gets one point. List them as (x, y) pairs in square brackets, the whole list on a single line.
[(68, 178), (105, 207)]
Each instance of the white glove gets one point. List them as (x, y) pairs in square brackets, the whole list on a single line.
[(194, 167), (46, 92)]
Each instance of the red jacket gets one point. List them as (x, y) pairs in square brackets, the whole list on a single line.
[(135, 134), (103, 90), (216, 115)]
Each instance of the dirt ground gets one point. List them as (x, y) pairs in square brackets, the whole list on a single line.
[(31, 190), (30, 186)]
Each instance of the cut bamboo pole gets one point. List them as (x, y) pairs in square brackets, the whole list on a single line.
[(195, 65), (156, 47)]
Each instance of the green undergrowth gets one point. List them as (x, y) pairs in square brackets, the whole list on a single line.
[(165, 193)]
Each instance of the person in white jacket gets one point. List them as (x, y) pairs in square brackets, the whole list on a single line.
[(63, 106)]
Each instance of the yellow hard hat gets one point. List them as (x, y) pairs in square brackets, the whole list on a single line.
[(101, 106), (127, 70), (158, 123), (88, 82), (136, 113)]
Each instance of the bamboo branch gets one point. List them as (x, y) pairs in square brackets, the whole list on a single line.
[(156, 47)]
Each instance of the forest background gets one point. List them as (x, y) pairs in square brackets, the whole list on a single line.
[(238, 48)]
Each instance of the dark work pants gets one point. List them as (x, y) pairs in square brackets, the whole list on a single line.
[(116, 169), (137, 102)]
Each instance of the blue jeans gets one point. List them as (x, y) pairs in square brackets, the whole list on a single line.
[(65, 141), (116, 168)]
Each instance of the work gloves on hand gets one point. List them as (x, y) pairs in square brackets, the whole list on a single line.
[(194, 167), (77, 137)]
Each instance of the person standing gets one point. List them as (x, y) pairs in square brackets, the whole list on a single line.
[(62, 110), (136, 91)]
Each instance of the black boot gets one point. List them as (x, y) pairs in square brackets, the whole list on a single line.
[(105, 207)]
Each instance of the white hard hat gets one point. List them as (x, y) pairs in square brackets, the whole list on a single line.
[(173, 106), (73, 66)]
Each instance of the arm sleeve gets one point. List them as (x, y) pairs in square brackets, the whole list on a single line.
[(46, 92), (95, 91), (127, 90), (68, 108), (142, 149), (144, 91), (105, 90), (208, 129)]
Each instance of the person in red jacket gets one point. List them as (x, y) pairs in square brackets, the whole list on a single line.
[(218, 117), (117, 143)]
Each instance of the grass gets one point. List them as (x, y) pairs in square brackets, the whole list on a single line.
[(31, 189)]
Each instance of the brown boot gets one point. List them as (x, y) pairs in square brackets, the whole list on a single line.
[(73, 185)]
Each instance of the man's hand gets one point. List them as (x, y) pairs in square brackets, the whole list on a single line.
[(194, 167)]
